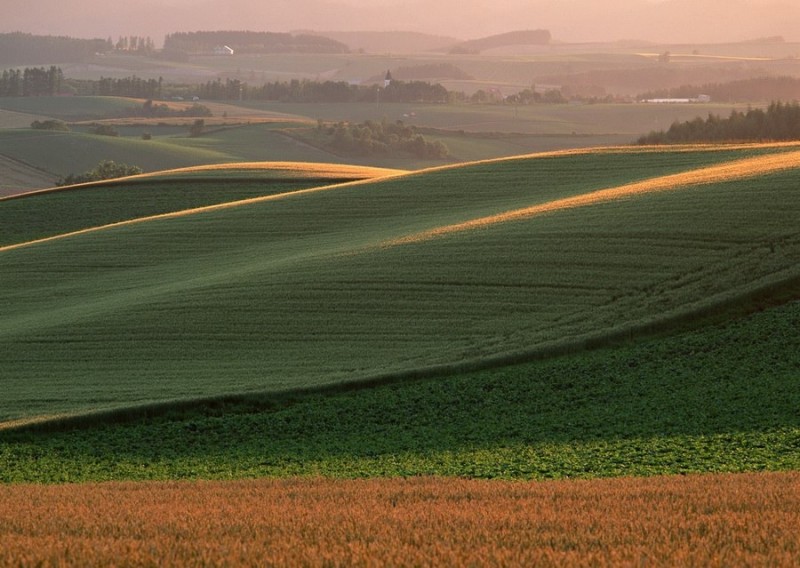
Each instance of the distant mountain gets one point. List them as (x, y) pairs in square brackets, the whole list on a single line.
[(523, 37), (28, 49), (676, 21), (388, 42)]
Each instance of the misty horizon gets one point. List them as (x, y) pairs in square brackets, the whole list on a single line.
[(665, 21)]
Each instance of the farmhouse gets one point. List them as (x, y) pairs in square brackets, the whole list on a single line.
[(223, 50)]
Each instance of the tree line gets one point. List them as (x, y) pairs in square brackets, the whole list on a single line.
[(305, 91), (31, 82), (780, 121), (41, 81), (127, 87)]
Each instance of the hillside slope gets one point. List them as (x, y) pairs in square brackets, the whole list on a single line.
[(442, 270)]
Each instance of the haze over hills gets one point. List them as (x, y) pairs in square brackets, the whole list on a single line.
[(701, 21)]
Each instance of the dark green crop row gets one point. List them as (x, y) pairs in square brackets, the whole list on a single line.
[(722, 398)]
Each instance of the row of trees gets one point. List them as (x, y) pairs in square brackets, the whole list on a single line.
[(31, 82), (41, 81), (305, 91), (780, 121), (128, 87), (135, 44)]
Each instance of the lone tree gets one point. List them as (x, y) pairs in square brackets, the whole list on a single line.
[(197, 127)]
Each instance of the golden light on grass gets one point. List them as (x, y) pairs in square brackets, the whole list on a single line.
[(705, 520), (306, 169), (730, 171), (360, 174)]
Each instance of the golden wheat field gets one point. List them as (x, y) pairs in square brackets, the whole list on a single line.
[(706, 520), (738, 169)]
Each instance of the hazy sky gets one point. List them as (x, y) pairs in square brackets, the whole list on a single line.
[(568, 20)]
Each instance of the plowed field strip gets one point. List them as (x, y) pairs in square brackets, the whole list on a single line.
[(736, 170), (710, 520)]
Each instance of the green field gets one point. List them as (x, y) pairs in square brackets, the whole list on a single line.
[(354, 283), (723, 398)]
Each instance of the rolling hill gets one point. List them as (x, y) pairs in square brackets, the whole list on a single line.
[(435, 272)]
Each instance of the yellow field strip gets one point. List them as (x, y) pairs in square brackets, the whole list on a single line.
[(628, 149), (739, 169), (196, 210), (317, 168)]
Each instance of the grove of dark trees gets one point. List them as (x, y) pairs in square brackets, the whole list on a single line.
[(383, 137), (127, 87), (780, 121)]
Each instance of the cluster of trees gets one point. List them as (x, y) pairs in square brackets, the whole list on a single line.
[(747, 90), (198, 43), (107, 169), (306, 91), (58, 125), (19, 47), (382, 137), (127, 87), (103, 130), (31, 82), (780, 121)]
